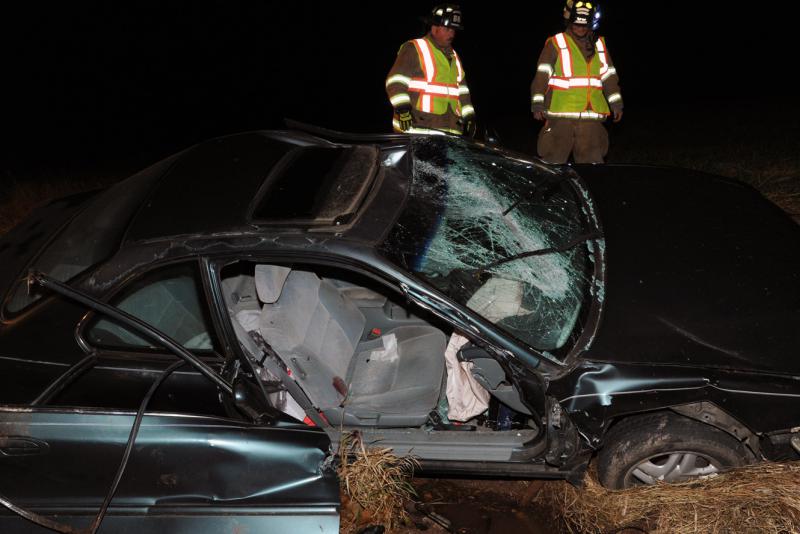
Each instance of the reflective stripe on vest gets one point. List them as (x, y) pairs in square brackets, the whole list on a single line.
[(605, 71), (437, 89), (430, 88), (566, 57), (601, 52), (590, 115), (565, 83), (577, 86), (428, 64), (458, 66), (566, 66)]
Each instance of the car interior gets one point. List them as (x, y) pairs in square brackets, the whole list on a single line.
[(365, 360)]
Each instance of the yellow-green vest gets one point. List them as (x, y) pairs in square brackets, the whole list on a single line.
[(577, 85), (438, 88)]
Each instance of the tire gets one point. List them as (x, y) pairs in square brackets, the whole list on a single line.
[(667, 447)]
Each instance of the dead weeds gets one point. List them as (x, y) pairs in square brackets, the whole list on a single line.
[(763, 498), (375, 485)]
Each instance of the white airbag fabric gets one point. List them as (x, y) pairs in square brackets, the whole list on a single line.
[(465, 397), (497, 299)]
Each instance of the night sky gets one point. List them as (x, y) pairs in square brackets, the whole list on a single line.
[(105, 87)]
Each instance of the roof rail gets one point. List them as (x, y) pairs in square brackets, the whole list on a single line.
[(333, 135)]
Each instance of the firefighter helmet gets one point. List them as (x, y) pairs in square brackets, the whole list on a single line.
[(583, 13), (448, 15)]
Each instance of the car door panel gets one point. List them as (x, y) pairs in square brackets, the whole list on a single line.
[(185, 472), (120, 381)]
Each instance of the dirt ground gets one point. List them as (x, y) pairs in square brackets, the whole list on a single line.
[(473, 507)]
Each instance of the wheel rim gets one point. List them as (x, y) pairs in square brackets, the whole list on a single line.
[(674, 467)]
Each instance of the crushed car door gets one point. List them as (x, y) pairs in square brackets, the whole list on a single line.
[(156, 471)]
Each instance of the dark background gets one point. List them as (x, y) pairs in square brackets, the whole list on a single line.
[(95, 88)]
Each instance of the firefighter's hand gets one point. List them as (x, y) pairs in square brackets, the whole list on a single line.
[(617, 115), (403, 114), (539, 113), (470, 127)]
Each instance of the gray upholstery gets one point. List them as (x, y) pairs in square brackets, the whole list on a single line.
[(407, 388), (240, 292), (242, 301), (315, 330), (269, 281), (320, 334), (360, 296)]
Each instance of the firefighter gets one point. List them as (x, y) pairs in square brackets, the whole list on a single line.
[(427, 86), (575, 89)]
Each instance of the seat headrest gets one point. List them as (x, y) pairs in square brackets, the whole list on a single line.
[(269, 282)]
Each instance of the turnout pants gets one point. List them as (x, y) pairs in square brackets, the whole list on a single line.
[(586, 140)]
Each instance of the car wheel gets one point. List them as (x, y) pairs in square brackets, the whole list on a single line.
[(666, 447)]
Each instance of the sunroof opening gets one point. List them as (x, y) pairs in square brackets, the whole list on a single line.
[(317, 185)]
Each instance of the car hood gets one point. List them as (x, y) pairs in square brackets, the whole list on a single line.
[(702, 271)]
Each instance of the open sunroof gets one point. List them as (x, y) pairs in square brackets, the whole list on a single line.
[(317, 185)]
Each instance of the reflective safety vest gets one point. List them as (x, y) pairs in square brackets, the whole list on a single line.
[(439, 87), (577, 86)]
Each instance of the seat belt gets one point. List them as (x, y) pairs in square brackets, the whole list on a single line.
[(270, 363), (270, 360)]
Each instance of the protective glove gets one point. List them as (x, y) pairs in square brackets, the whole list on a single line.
[(403, 114), (539, 112), (470, 127)]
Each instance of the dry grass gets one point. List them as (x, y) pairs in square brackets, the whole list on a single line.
[(763, 498), (375, 484)]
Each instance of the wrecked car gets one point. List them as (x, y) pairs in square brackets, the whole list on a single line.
[(211, 327)]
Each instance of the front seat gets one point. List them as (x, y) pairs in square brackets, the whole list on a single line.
[(392, 381)]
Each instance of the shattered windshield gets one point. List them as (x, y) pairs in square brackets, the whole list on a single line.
[(503, 237)]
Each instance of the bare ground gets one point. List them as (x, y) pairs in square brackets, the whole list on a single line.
[(468, 506)]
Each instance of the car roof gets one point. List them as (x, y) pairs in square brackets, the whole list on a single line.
[(213, 188)]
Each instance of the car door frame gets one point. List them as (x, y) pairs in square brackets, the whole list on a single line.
[(561, 450), (158, 358), (308, 497)]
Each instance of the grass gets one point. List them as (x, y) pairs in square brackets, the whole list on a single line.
[(763, 498), (375, 484)]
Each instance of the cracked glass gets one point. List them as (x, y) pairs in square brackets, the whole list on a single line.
[(504, 237)]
